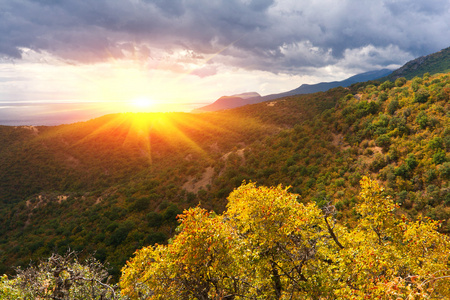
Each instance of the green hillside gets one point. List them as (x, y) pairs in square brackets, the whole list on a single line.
[(115, 184), (435, 63)]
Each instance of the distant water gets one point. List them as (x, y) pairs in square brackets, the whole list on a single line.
[(50, 114)]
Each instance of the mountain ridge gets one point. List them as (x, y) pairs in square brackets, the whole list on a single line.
[(438, 62), (228, 102)]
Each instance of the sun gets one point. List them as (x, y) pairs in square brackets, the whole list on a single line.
[(142, 103)]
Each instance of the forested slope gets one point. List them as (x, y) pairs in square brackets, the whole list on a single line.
[(115, 184)]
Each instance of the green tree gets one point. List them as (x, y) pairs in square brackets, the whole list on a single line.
[(421, 95), (383, 141), (416, 82), (392, 107), (439, 157), (411, 161), (399, 82), (422, 119)]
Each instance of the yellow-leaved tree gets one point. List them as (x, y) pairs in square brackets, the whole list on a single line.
[(268, 245)]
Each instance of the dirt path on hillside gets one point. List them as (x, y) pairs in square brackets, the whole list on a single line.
[(194, 186)]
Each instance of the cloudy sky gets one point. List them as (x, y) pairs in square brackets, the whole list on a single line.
[(198, 50)]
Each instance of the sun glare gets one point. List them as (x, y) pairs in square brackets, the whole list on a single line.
[(142, 102)]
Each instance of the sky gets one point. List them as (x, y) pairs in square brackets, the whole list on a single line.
[(174, 52)]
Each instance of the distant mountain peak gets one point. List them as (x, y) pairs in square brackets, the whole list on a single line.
[(247, 95), (227, 102)]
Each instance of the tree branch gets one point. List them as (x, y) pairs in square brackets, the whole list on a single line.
[(333, 235)]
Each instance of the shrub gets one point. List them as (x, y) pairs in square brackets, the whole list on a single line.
[(156, 238), (436, 143), (383, 141), (171, 213), (416, 82), (392, 106), (63, 277), (411, 161), (422, 119), (383, 96), (400, 81), (421, 95), (439, 157), (386, 85), (444, 170), (154, 219)]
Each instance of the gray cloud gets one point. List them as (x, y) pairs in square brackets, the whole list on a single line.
[(275, 36)]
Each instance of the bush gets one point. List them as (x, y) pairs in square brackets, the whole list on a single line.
[(383, 141), (423, 120), (421, 96), (378, 163), (386, 85), (436, 143), (383, 96), (392, 107), (439, 157), (156, 238), (154, 219), (416, 82), (140, 204), (171, 213), (444, 170), (399, 82), (430, 175), (120, 234), (411, 162), (63, 277), (402, 171)]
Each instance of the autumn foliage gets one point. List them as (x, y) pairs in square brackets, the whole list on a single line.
[(269, 245)]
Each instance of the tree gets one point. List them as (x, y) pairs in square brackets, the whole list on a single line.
[(265, 245), (383, 141), (422, 119), (287, 243), (399, 82), (386, 256), (197, 264), (421, 95), (268, 245)]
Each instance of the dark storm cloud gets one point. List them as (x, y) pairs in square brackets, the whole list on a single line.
[(276, 36)]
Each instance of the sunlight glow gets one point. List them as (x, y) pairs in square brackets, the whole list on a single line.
[(143, 102)]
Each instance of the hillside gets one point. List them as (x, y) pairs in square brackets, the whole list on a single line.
[(115, 184), (438, 62)]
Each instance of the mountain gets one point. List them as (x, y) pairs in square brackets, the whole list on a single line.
[(325, 86), (227, 102), (438, 62), (434, 63)]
